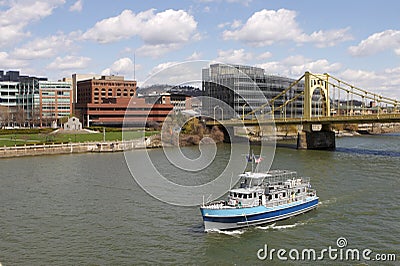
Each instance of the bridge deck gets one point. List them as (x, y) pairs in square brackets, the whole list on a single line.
[(355, 119)]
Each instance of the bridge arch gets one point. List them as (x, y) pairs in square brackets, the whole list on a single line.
[(316, 83)]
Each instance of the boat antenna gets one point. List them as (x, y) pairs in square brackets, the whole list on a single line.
[(252, 161)]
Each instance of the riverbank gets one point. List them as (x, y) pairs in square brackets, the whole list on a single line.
[(150, 142), (66, 148), (154, 141)]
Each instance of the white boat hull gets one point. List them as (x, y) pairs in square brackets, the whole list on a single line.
[(228, 219)]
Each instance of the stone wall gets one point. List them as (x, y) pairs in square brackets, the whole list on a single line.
[(65, 148)]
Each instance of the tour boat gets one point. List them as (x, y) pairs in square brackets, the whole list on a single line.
[(260, 198)]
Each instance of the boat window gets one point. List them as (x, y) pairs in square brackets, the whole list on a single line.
[(245, 196), (255, 195), (276, 196), (250, 196), (284, 194), (298, 191), (270, 197), (235, 195)]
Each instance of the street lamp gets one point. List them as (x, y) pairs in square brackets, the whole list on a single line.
[(222, 112), (243, 110)]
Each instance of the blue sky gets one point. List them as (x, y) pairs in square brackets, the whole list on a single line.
[(358, 42)]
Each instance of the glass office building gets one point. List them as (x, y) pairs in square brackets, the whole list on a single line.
[(247, 88), (20, 96)]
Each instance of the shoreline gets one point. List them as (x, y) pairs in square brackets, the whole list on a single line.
[(121, 146), (69, 148)]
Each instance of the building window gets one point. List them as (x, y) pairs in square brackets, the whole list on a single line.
[(118, 92), (110, 92), (131, 93), (125, 92)]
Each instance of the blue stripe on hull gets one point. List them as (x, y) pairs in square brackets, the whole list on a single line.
[(268, 215)]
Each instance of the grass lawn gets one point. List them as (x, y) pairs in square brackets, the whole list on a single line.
[(39, 138)]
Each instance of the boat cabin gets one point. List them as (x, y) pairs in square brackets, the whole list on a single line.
[(245, 197)]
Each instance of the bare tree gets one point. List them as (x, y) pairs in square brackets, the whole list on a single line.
[(3, 116), (35, 117), (19, 116)]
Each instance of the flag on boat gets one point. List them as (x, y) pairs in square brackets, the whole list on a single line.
[(257, 158)]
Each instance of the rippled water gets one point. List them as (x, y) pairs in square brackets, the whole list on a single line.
[(87, 209)]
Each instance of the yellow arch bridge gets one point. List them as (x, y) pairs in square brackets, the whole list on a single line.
[(325, 101)]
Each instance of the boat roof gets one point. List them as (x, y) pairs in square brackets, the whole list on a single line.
[(245, 190), (255, 175)]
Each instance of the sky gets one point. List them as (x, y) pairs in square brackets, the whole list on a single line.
[(356, 41)]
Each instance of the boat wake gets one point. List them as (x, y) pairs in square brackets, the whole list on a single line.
[(279, 227), (327, 202), (235, 233)]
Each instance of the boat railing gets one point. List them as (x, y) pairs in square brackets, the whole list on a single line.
[(301, 197), (311, 192), (281, 175), (221, 204)]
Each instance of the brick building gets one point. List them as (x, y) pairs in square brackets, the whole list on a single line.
[(107, 101)]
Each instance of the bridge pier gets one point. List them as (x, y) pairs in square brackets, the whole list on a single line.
[(316, 140)]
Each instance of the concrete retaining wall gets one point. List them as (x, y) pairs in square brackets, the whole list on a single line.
[(64, 148)]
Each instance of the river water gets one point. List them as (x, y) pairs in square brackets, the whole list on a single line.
[(87, 209)]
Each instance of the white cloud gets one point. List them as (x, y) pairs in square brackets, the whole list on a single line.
[(223, 25), (378, 42), (167, 27), (19, 14), (233, 56), (6, 61), (360, 78), (236, 24), (385, 82), (69, 63), (116, 28), (123, 66), (195, 56), (156, 50), (176, 73), (78, 6), (162, 67), (317, 66), (265, 55), (295, 66), (44, 47), (243, 2), (327, 38), (267, 27)]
